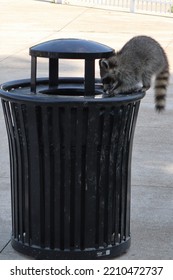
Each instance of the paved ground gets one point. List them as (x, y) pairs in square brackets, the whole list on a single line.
[(26, 23)]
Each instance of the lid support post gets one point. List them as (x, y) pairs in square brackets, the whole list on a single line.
[(33, 73), (89, 77), (53, 72)]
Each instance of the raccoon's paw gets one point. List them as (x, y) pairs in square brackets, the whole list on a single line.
[(108, 94), (138, 89), (144, 89)]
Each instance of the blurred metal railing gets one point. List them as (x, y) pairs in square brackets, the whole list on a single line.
[(160, 7)]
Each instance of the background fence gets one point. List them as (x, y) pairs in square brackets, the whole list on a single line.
[(160, 7)]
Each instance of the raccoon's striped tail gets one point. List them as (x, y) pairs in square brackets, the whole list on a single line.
[(161, 84)]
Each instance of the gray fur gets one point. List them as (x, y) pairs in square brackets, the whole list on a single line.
[(132, 68)]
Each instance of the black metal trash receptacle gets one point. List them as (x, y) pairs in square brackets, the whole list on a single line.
[(70, 158)]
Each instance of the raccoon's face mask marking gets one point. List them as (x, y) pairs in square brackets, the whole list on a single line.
[(109, 75)]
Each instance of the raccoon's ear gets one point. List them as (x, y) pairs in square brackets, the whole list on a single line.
[(104, 63)]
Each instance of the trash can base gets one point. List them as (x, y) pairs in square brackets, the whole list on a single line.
[(91, 253)]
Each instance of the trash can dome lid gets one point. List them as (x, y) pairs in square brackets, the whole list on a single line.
[(71, 48)]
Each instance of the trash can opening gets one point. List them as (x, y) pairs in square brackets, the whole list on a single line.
[(79, 92), (72, 87)]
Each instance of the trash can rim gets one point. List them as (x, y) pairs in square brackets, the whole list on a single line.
[(6, 94)]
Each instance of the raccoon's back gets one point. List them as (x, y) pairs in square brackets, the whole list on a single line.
[(146, 56), (143, 51)]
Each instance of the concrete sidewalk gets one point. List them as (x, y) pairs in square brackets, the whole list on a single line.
[(26, 23)]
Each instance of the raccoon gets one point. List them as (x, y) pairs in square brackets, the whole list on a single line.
[(131, 69)]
